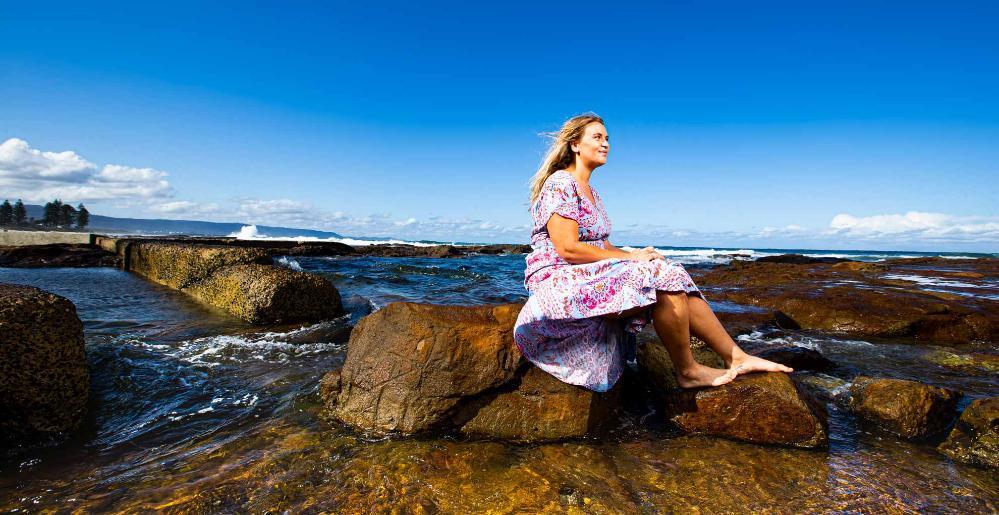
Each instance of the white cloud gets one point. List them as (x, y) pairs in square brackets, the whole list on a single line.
[(34, 175), (19, 160), (916, 225), (186, 208)]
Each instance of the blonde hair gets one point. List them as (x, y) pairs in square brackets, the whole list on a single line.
[(559, 154)]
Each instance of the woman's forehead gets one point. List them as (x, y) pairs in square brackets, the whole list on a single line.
[(594, 127)]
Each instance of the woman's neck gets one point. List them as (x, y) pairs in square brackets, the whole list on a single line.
[(580, 172)]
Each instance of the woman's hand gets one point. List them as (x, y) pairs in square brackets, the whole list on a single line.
[(646, 254)]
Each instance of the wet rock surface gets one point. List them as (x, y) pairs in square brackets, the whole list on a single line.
[(56, 255), (894, 299), (764, 408), (44, 379), (907, 408), (975, 437)]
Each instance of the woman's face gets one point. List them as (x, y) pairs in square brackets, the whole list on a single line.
[(594, 146)]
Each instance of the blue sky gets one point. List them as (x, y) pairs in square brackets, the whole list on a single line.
[(864, 125)]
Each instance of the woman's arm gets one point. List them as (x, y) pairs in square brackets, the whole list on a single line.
[(564, 233), (608, 246)]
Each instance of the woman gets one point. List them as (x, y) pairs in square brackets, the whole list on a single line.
[(584, 291)]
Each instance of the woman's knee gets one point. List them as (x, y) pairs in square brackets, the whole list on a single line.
[(672, 304)]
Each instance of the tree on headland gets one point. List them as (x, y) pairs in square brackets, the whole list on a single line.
[(82, 216), (50, 217), (67, 215), (6, 213), (20, 213)]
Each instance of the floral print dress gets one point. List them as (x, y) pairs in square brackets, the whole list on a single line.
[(560, 328)]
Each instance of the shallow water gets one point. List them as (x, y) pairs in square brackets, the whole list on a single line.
[(193, 410)]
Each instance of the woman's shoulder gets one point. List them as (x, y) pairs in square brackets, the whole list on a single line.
[(560, 179)]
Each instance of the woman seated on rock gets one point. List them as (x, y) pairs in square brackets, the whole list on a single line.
[(584, 291)]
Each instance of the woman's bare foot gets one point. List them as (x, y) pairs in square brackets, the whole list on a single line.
[(748, 363), (700, 375)]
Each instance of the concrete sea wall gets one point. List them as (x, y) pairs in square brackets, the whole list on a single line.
[(12, 238)]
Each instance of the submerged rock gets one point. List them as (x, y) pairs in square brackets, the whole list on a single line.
[(412, 368), (44, 379), (975, 438), (242, 281), (964, 360), (909, 409), (766, 408)]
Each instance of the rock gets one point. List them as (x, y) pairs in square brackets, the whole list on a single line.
[(412, 368), (264, 294), (56, 255), (500, 248), (967, 360), (859, 301), (179, 265), (240, 280), (765, 408), (861, 266), (975, 438), (44, 378), (824, 387), (909, 409), (798, 358), (542, 408), (409, 366), (798, 259)]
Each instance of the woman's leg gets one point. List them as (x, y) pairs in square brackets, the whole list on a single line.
[(671, 319), (705, 325)]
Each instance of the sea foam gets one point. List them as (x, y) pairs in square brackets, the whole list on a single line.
[(250, 232)]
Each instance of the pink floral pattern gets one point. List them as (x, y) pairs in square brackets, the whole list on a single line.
[(561, 328)]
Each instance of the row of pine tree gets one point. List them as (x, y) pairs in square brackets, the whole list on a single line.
[(56, 214)]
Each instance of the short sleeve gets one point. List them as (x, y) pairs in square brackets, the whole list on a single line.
[(558, 196)]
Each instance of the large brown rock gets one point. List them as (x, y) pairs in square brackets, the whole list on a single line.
[(179, 265), (766, 408), (409, 366), (865, 299), (907, 408), (412, 368), (975, 437), (541, 407), (269, 294), (44, 379), (239, 280)]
